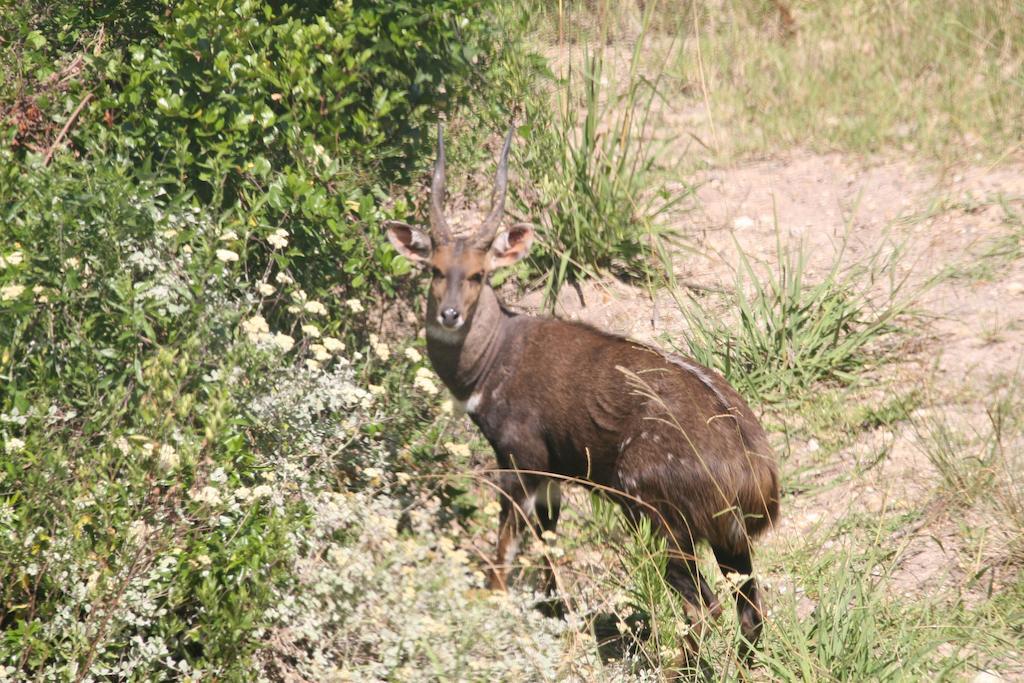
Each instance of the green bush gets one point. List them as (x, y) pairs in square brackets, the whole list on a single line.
[(231, 165), (118, 312)]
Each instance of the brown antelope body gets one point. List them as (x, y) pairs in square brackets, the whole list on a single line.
[(669, 438)]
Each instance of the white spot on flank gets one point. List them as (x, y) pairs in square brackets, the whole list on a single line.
[(656, 439), (671, 457), (470, 405), (625, 443)]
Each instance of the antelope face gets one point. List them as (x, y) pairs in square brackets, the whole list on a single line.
[(460, 266), (459, 269)]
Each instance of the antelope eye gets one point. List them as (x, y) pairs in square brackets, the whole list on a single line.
[(476, 277), (436, 272)]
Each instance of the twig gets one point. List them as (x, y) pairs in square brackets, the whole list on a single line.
[(66, 128)]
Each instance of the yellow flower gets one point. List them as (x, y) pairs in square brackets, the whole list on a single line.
[(458, 449)]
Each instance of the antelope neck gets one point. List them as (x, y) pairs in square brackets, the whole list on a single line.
[(464, 364)]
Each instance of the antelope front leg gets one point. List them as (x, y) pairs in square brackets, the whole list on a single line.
[(510, 530)]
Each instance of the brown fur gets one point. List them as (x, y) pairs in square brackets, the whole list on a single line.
[(666, 437)]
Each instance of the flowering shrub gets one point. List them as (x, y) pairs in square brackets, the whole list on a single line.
[(397, 600), (210, 464)]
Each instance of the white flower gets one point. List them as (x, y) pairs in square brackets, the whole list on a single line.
[(413, 355), (320, 352), (736, 579), (219, 476), (226, 255), (373, 474), (243, 493), (283, 279), (315, 307), (424, 381), (14, 258), (458, 449), (167, 458), (266, 289), (207, 495), (380, 349), (13, 445), (262, 491), (10, 292), (72, 262), (311, 331), (312, 365), (355, 305), (255, 327), (278, 239), (283, 341), (138, 530), (229, 236), (333, 345), (375, 389)]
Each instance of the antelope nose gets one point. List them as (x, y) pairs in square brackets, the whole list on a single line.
[(450, 317)]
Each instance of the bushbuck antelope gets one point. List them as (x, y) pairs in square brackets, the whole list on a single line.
[(665, 436)]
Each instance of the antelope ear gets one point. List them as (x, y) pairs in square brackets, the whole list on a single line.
[(510, 246), (411, 243)]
